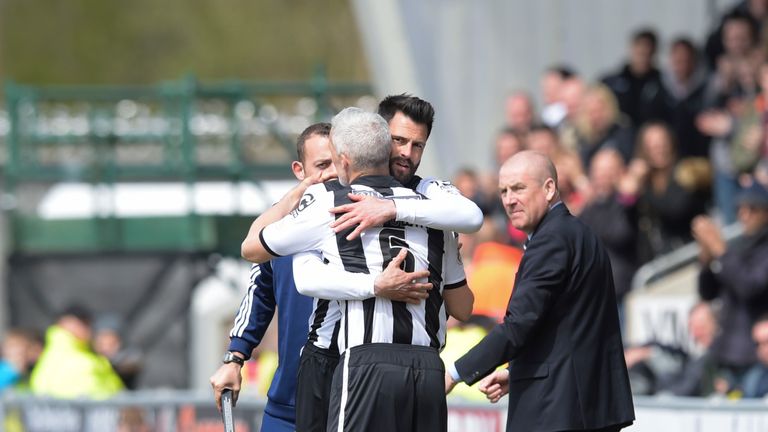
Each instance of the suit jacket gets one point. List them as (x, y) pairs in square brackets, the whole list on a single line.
[(560, 335)]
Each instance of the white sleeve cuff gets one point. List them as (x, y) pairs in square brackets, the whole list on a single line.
[(405, 210), (451, 368)]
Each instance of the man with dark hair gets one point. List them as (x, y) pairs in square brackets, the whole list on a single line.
[(418, 110), (410, 123), (685, 90), (319, 129), (637, 85)]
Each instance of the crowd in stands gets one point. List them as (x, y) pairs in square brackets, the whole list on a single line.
[(652, 156), (76, 357)]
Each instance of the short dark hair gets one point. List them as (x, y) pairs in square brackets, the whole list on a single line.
[(563, 71), (544, 128), (650, 124), (79, 311), (686, 43), (761, 318), (737, 15), (648, 35), (418, 110), (321, 129)]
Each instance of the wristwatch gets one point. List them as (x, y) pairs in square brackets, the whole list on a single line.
[(230, 357)]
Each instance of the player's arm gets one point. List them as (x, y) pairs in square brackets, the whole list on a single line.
[(446, 209), (457, 296), (459, 301), (302, 229), (338, 284), (252, 248), (253, 317)]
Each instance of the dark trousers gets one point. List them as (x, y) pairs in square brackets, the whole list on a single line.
[(313, 388), (389, 387)]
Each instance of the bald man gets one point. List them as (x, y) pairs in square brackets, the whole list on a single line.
[(561, 332)]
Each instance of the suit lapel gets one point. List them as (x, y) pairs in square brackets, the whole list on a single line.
[(552, 215)]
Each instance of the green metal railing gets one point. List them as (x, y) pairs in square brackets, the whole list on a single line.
[(182, 130), (39, 136)]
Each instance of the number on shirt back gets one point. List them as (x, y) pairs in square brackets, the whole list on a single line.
[(392, 241)]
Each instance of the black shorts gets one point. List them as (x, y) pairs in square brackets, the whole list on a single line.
[(389, 387), (313, 388)]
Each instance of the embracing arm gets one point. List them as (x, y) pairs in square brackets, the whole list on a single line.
[(459, 302), (446, 209), (339, 284), (252, 248), (457, 296)]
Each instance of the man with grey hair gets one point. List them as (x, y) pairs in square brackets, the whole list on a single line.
[(390, 374)]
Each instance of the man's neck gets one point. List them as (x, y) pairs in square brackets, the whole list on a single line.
[(354, 175)]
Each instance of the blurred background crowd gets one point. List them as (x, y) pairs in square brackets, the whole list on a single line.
[(657, 153)]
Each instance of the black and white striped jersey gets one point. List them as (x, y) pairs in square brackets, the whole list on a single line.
[(368, 319)]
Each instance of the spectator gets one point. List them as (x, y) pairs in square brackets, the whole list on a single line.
[(68, 367), (519, 112), (735, 67), (572, 95), (508, 142), (20, 350), (599, 125), (718, 124), (552, 84), (658, 368), (671, 194), (571, 180), (612, 216), (685, 85), (755, 383), (737, 274), (732, 84), (637, 85), (700, 375), (108, 342), (753, 11), (749, 131)]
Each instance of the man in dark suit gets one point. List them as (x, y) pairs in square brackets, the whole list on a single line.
[(561, 332)]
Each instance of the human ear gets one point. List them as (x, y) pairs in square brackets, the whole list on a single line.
[(298, 170), (550, 189)]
